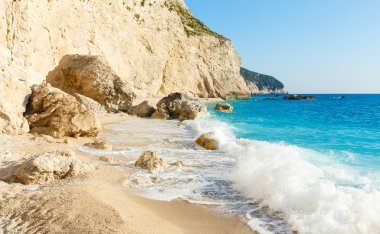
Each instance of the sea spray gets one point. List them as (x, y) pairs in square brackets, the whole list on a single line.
[(284, 178)]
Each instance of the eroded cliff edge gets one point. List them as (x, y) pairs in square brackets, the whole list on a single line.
[(156, 46)]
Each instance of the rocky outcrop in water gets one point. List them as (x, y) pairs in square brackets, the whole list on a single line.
[(262, 84), (179, 106), (224, 107), (53, 112), (298, 97)]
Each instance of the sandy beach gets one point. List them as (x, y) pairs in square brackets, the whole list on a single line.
[(96, 202)]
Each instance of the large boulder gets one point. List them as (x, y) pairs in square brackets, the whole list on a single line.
[(47, 167), (208, 141), (53, 112), (179, 106), (143, 110), (224, 107), (91, 105), (91, 76), (192, 110)]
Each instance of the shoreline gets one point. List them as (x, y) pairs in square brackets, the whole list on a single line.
[(97, 202)]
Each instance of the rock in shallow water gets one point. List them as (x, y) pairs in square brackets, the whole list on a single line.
[(55, 113), (224, 107), (98, 144), (208, 141), (149, 161)]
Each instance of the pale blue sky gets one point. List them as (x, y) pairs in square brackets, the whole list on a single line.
[(313, 46)]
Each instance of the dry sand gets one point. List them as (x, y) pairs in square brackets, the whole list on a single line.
[(95, 203)]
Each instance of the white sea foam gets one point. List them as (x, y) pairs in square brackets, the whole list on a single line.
[(316, 193)]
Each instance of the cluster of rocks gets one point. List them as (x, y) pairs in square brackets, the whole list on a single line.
[(66, 104), (174, 106), (179, 106), (81, 86)]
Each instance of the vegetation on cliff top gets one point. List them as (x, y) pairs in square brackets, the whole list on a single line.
[(262, 81), (192, 25)]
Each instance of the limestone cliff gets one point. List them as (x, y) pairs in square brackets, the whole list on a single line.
[(157, 46)]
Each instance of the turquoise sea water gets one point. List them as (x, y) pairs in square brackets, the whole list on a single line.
[(347, 129), (316, 161), (283, 166)]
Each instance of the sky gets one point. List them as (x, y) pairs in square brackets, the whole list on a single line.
[(312, 46)]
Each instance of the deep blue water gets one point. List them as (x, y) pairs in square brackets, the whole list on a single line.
[(347, 129)]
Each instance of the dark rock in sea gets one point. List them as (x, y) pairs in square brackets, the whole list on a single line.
[(299, 97), (269, 99)]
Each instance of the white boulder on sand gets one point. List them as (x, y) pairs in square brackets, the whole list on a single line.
[(46, 167), (91, 76), (53, 112)]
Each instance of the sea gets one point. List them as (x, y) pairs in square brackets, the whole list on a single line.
[(283, 166)]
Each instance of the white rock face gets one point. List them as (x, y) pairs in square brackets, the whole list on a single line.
[(154, 45)]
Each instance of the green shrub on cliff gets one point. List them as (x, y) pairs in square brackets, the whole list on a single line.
[(192, 25)]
